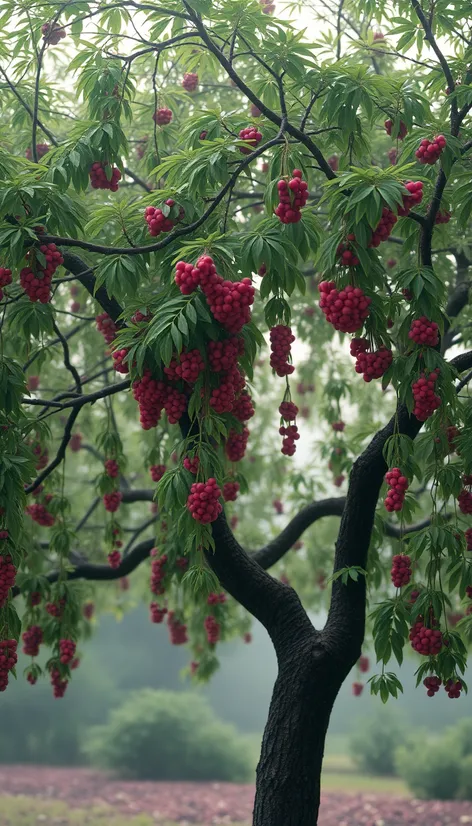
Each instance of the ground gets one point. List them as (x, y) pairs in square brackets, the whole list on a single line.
[(32, 795)]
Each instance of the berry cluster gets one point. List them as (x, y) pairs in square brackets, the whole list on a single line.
[(56, 609), (468, 538), (158, 222), (453, 689), (66, 651), (112, 468), (339, 426), (106, 326), (41, 150), (291, 435), (8, 660), (215, 599), (5, 279), (155, 396), (288, 411), (268, 7), (397, 487), (432, 684), (345, 310), (7, 577), (372, 365), (424, 332), (157, 472), (347, 258), (401, 570), (357, 689), (293, 195), (243, 408), (392, 155), (58, 684), (402, 130), (157, 572), (236, 444), (363, 664), (157, 613), (212, 629), (52, 33), (162, 116), (465, 501), (40, 514), (229, 301), (426, 400), (223, 355), (426, 641), (112, 501), (177, 630), (42, 456), (281, 339), (114, 559), (32, 639), (278, 506), (203, 501), (88, 610), (429, 151), (33, 382), (443, 217), (190, 81), (252, 136), (384, 227), (192, 464), (98, 176), (187, 277), (36, 280), (230, 491), (414, 197), (119, 361), (187, 366)]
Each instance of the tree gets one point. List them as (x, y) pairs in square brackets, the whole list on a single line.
[(191, 251)]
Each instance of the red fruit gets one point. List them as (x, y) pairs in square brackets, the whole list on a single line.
[(345, 310), (106, 326), (40, 514), (98, 177), (278, 506), (398, 485), (363, 664), (59, 685), (75, 442), (443, 217), (192, 465), (223, 355), (187, 366), (187, 277), (35, 598), (347, 257), (112, 468), (243, 409), (432, 684), (384, 227), (5, 277), (75, 306), (119, 361), (158, 222), (465, 501), (291, 435), (333, 162), (203, 501), (190, 81), (426, 400), (41, 150), (338, 427), (229, 301), (281, 339), (67, 651), (402, 130), (8, 660), (391, 263), (177, 630), (236, 444), (253, 137), (88, 610), (52, 33), (33, 382), (392, 155), (373, 365), (357, 689), (414, 197), (212, 629), (338, 480), (114, 559), (293, 196), (32, 639), (162, 116), (230, 491), (401, 570), (112, 501), (426, 641), (157, 572), (157, 472), (453, 689), (468, 538), (288, 411), (247, 637), (424, 332), (203, 134), (157, 612), (428, 151), (36, 279), (56, 609)]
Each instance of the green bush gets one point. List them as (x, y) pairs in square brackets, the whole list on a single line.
[(465, 781), (373, 743), (431, 770), (162, 735)]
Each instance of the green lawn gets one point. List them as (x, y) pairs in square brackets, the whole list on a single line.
[(29, 811)]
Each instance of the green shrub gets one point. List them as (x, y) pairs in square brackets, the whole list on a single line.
[(373, 743), (431, 770), (162, 735), (465, 781)]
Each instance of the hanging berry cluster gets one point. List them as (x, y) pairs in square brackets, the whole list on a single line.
[(345, 310), (203, 501), (153, 397), (288, 413), (397, 487), (424, 332), (229, 301), (293, 195), (428, 151), (158, 222), (162, 116), (401, 570), (5, 279), (107, 327), (281, 340), (426, 400), (52, 33), (402, 129), (36, 278), (190, 81), (252, 136), (373, 365), (99, 179)]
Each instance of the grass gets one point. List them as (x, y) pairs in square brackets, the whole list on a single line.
[(353, 783), (30, 811)]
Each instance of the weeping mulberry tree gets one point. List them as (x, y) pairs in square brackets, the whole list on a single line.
[(219, 241)]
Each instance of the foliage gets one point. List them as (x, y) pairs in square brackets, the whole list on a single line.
[(159, 735), (373, 743)]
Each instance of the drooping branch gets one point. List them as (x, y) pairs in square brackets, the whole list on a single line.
[(67, 362), (60, 453)]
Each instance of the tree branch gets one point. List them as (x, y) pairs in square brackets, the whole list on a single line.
[(67, 362)]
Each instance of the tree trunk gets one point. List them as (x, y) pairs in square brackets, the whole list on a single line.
[(289, 770)]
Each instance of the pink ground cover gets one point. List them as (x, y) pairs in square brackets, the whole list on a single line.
[(213, 803)]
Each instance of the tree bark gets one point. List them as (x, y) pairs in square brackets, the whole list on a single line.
[(289, 771)]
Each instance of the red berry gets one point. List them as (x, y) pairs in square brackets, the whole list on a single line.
[(398, 485), (203, 501), (293, 196), (162, 116), (106, 326), (426, 641), (401, 570), (357, 689), (432, 684), (414, 197), (424, 332), (158, 222), (384, 228), (112, 501), (157, 472), (402, 130), (281, 339), (32, 639), (111, 468), (230, 491), (52, 33), (373, 365), (288, 411), (428, 151), (75, 442), (345, 310), (41, 150), (253, 137), (67, 651), (236, 444), (190, 81), (40, 514), (426, 400), (363, 664), (212, 629), (98, 177)]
